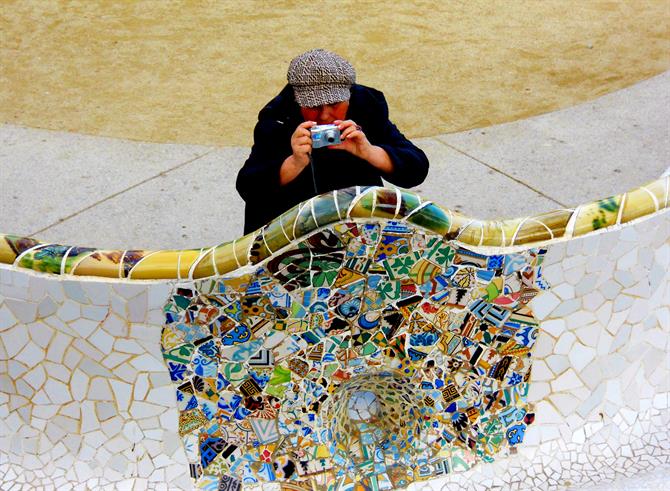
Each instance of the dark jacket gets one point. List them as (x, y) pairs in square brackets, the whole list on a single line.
[(258, 180)]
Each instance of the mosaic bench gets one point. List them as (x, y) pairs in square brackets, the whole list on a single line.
[(366, 339)]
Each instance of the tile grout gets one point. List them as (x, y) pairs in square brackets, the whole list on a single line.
[(509, 176), (118, 193)]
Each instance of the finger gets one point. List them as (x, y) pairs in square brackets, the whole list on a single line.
[(302, 133), (344, 124), (302, 142), (306, 148), (351, 133), (307, 124)]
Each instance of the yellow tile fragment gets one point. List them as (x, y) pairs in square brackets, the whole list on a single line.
[(556, 221), (240, 250), (531, 230), (100, 263), (594, 216), (160, 265), (205, 266), (224, 257), (471, 234), (7, 255), (638, 203), (493, 233), (660, 188)]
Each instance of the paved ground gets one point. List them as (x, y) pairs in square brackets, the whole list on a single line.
[(112, 193)]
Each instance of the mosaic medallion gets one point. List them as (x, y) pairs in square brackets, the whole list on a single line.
[(366, 355)]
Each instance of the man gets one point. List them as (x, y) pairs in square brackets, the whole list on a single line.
[(322, 90)]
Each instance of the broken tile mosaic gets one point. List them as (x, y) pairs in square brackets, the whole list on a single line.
[(346, 341), (439, 338)]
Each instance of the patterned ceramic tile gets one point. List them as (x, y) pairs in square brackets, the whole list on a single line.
[(266, 365), (331, 350)]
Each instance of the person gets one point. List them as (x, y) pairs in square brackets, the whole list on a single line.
[(283, 169)]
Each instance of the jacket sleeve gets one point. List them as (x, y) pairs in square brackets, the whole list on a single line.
[(410, 164), (260, 173)]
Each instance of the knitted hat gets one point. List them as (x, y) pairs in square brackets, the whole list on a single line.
[(320, 77)]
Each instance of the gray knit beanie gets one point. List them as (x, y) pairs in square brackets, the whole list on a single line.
[(320, 77)]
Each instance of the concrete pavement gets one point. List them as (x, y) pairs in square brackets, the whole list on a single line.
[(111, 193)]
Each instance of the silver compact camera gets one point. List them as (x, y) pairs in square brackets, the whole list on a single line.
[(324, 135)]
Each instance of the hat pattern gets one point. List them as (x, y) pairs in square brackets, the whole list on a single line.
[(320, 77)]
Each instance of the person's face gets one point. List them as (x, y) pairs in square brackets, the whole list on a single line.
[(326, 113)]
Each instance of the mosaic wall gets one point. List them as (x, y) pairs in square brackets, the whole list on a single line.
[(86, 401), (376, 351), (439, 337), (601, 372)]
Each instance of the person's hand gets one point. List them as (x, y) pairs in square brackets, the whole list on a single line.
[(353, 139), (301, 143)]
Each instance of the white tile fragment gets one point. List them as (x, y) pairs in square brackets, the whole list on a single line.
[(164, 396), (83, 327), (79, 384), (569, 380), (15, 339), (122, 393), (7, 318), (141, 387), (610, 289), (115, 326), (24, 311), (555, 327), (580, 356), (99, 390), (147, 363), (564, 343), (36, 377), (96, 292), (57, 391), (543, 304), (589, 335), (74, 291), (101, 340), (69, 311), (141, 410), (30, 355), (137, 307)]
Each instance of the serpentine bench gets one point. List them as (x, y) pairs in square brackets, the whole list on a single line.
[(365, 339)]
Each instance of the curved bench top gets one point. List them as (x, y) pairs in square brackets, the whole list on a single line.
[(347, 204)]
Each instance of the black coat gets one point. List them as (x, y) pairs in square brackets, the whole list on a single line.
[(258, 180)]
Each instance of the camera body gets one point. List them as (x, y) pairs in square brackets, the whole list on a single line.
[(324, 135)]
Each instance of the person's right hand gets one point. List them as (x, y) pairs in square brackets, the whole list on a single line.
[(301, 143)]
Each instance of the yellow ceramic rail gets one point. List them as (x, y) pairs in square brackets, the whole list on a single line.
[(347, 204)]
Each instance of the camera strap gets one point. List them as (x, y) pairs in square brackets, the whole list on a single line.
[(311, 166)]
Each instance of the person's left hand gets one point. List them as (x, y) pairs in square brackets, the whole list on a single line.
[(353, 139)]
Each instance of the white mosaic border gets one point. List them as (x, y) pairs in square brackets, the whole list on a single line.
[(85, 399), (87, 403)]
